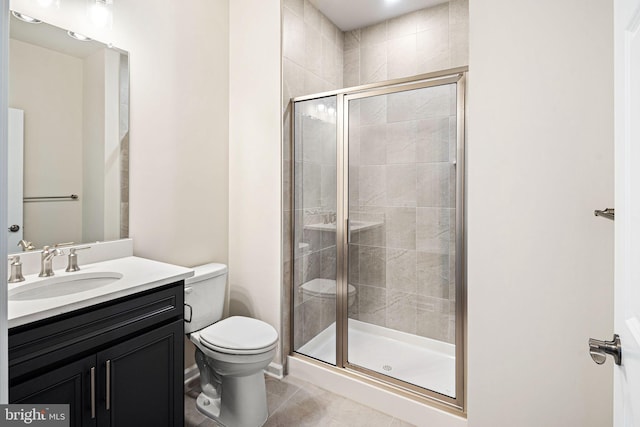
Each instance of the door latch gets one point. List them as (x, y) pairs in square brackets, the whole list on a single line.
[(599, 350)]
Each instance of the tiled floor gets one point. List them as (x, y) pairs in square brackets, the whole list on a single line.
[(295, 403)]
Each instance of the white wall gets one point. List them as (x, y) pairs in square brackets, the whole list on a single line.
[(254, 159), (47, 85), (540, 160), (179, 120)]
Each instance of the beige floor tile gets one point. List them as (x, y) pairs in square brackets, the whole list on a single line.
[(296, 403)]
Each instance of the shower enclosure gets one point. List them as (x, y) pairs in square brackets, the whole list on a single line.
[(378, 214)]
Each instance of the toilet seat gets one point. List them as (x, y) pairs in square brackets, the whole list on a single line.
[(239, 335)]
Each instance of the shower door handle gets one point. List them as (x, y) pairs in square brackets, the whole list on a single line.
[(599, 349), (347, 226)]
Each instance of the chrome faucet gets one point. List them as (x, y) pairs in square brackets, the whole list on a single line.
[(46, 258)]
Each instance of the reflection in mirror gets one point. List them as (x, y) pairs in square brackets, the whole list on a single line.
[(69, 137)]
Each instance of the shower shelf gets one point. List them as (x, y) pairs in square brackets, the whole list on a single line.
[(355, 226)]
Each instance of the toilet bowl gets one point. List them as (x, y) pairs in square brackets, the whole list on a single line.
[(231, 354)]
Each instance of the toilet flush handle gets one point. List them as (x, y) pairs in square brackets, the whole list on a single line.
[(187, 291), (188, 320)]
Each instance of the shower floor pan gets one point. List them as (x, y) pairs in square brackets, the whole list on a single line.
[(417, 360)]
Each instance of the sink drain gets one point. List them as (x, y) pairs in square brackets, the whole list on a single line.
[(387, 367)]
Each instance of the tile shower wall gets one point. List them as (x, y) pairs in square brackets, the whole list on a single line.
[(427, 40), (312, 63), (402, 187), (317, 56)]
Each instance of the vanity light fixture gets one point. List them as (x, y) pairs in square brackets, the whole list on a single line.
[(25, 18), (78, 36), (100, 12)]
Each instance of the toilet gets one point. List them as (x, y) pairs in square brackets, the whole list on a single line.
[(325, 291), (231, 353)]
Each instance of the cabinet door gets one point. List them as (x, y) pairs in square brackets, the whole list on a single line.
[(141, 380), (69, 384)]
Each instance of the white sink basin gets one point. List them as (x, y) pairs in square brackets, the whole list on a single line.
[(63, 285)]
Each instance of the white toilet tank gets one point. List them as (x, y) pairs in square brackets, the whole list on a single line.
[(204, 296)]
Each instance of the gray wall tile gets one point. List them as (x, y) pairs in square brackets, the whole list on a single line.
[(373, 144), (400, 185), (433, 140), (373, 265), (401, 270), (401, 57), (373, 34), (293, 37), (373, 63), (401, 228), (434, 184), (401, 142)]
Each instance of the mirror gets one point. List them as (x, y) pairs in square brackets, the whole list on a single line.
[(68, 137)]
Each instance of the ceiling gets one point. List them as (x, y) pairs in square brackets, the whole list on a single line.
[(351, 14), (53, 38)]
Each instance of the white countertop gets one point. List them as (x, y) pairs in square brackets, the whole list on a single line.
[(138, 274)]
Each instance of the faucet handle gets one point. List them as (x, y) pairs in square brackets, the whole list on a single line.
[(73, 258), (25, 245), (73, 250), (16, 270), (59, 245)]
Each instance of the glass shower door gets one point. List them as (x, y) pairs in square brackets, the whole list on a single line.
[(315, 221), (401, 238)]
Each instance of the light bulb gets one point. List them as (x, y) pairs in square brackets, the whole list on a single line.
[(25, 18), (78, 36), (45, 3), (99, 14)]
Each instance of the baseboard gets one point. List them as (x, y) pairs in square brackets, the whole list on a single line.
[(191, 375), (275, 370)]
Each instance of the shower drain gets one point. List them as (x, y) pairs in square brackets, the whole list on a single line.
[(387, 367)]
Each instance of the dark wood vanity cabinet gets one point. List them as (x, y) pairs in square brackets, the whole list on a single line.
[(119, 363)]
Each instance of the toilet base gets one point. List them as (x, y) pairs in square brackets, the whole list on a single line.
[(208, 407), (232, 411)]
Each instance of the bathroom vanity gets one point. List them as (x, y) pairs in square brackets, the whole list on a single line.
[(114, 353)]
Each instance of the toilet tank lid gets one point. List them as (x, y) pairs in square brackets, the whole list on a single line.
[(206, 271)]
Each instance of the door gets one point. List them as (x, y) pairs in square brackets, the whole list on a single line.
[(140, 380), (70, 384), (627, 226), (15, 177), (404, 237)]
